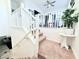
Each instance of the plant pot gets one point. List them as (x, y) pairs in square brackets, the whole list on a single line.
[(67, 30)]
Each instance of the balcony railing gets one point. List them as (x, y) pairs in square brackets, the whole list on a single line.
[(51, 20)]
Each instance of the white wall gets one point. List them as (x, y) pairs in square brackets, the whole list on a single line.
[(29, 4), (4, 16), (75, 43), (17, 35), (25, 49), (15, 4), (75, 46), (22, 47), (53, 34)]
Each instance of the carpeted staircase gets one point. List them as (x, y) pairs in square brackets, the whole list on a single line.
[(52, 50), (42, 37)]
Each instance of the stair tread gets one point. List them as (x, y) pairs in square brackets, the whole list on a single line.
[(41, 57), (40, 34), (42, 38), (40, 53)]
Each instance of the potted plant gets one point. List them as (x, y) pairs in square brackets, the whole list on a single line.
[(68, 18)]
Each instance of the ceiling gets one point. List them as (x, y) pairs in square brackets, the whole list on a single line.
[(59, 4)]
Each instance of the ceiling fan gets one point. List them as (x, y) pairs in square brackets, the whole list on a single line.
[(48, 3)]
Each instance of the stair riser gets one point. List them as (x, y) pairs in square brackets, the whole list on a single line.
[(42, 40), (41, 34), (41, 57)]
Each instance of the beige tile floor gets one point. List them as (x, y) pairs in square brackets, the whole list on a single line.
[(3, 49), (52, 50), (20, 51)]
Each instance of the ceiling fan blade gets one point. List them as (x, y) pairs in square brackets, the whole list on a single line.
[(52, 5), (48, 2), (45, 4), (53, 2)]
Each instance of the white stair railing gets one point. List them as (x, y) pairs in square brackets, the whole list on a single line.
[(28, 20), (22, 18), (52, 20), (16, 20), (29, 23)]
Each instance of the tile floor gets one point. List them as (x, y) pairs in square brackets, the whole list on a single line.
[(3, 51)]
